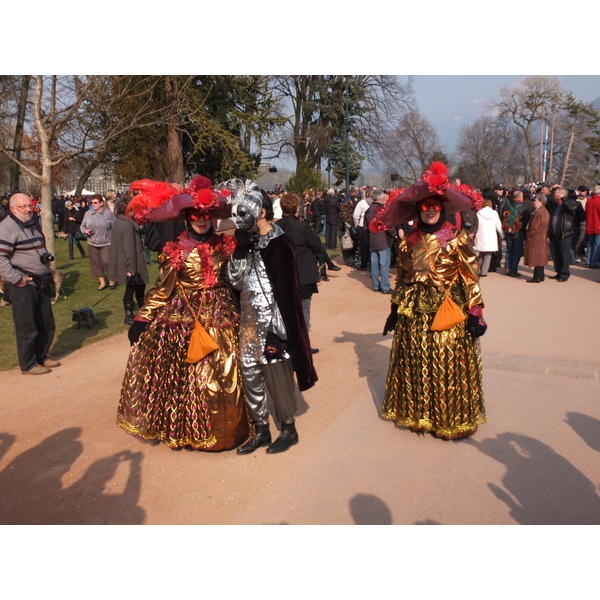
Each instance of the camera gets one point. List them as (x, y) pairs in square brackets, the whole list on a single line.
[(90, 233), (46, 257)]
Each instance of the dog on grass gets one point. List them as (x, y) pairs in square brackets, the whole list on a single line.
[(84, 315), (58, 279)]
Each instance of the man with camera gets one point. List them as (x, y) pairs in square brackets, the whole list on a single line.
[(25, 272)]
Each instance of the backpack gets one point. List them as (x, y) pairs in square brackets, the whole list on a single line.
[(511, 220), (152, 238)]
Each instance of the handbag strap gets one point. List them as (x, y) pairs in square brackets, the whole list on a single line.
[(446, 290), (196, 316)]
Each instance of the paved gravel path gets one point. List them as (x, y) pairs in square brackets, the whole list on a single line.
[(536, 460)]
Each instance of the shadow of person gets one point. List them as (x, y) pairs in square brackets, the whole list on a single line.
[(91, 501), (367, 509), (585, 427), (6, 441), (32, 492), (373, 359), (31, 483), (540, 486)]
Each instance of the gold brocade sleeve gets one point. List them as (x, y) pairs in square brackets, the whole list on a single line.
[(158, 295), (458, 258)]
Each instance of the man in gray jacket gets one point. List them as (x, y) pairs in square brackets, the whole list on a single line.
[(25, 272)]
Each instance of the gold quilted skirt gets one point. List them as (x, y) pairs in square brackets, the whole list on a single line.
[(164, 398), (434, 378)]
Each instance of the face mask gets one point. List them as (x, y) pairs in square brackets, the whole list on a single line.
[(246, 203)]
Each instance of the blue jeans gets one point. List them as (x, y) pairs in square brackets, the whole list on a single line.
[(509, 238), (593, 249), (380, 269)]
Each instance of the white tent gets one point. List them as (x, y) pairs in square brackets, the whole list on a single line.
[(84, 192)]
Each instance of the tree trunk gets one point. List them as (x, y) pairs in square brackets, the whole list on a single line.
[(174, 145), (15, 169), (46, 213), (85, 175), (564, 173)]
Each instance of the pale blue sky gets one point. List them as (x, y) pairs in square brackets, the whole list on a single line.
[(448, 101)]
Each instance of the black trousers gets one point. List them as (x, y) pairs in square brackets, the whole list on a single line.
[(561, 254), (139, 291), (34, 323)]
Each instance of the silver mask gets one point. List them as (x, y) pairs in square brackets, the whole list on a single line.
[(246, 202)]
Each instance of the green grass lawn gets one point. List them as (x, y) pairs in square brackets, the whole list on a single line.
[(81, 289)]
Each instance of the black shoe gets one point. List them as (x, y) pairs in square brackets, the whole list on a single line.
[(386, 291), (515, 275), (314, 350), (561, 279), (554, 277), (534, 280), (325, 278), (262, 437), (287, 438), (334, 268)]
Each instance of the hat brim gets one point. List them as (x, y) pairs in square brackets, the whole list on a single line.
[(404, 208)]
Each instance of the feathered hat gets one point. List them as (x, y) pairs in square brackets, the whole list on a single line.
[(159, 201), (402, 205)]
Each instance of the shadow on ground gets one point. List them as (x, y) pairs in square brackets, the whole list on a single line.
[(32, 491), (585, 427), (373, 359), (540, 486)]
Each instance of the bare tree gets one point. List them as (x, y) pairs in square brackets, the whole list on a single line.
[(73, 116), (525, 105), (410, 147)]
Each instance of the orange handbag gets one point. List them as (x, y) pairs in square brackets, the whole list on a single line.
[(201, 344), (448, 313)]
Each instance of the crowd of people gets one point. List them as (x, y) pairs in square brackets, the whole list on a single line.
[(221, 340)]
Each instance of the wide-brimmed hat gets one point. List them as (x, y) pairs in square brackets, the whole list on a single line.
[(402, 205), (160, 201)]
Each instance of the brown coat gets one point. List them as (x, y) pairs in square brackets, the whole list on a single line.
[(536, 242)]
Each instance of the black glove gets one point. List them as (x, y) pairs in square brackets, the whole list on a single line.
[(476, 326), (136, 330), (390, 323), (243, 243)]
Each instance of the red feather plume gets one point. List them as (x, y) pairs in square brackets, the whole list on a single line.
[(151, 195)]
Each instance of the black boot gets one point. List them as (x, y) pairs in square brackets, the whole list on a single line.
[(262, 437), (287, 438), (128, 313)]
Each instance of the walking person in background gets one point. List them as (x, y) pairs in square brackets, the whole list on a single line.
[(127, 264), (380, 245), (592, 228), (72, 218), (536, 242), (562, 218), (332, 218), (97, 226), (486, 241), (307, 246)]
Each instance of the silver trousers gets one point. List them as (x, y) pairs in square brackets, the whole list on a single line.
[(274, 382)]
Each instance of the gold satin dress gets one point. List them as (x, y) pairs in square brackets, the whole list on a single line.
[(163, 397), (434, 381)]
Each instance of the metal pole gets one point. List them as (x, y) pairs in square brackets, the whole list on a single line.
[(347, 153)]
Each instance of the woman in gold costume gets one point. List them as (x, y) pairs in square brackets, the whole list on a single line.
[(198, 406), (434, 378)]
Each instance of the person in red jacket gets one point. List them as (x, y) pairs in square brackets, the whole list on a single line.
[(592, 228)]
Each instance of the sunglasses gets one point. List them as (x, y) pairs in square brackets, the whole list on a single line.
[(96, 203), (425, 206)]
